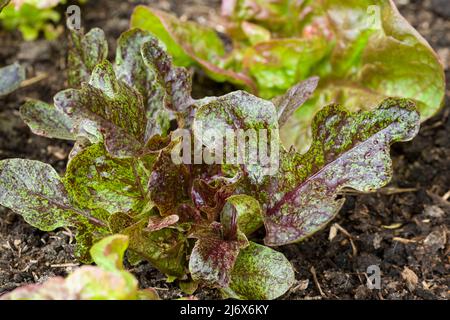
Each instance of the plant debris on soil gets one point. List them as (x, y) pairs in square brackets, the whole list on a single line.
[(402, 228)]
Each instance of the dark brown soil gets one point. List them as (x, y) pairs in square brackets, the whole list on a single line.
[(402, 228)]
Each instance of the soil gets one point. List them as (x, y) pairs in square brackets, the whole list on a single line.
[(403, 228)]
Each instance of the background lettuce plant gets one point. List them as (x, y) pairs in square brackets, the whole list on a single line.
[(107, 281), (196, 223), (31, 17), (363, 52)]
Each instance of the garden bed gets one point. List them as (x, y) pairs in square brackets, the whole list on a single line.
[(403, 228)]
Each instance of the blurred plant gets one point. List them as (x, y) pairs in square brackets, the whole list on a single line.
[(32, 17), (363, 51), (107, 281)]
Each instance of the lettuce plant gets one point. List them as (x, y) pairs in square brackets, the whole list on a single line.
[(363, 51), (195, 222), (31, 17), (107, 281)]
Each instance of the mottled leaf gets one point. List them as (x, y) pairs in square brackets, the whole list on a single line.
[(35, 191), (45, 120), (156, 223), (176, 82), (10, 78), (242, 115), (96, 180), (115, 107), (87, 235), (348, 150), (165, 249), (85, 52), (248, 213), (131, 69), (213, 257), (168, 185), (130, 66), (260, 273)]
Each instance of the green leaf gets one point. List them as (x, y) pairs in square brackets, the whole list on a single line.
[(248, 210), (45, 120), (108, 253), (279, 64), (348, 150), (189, 43), (92, 283), (146, 18), (96, 180), (85, 52), (165, 249), (255, 33), (148, 294), (35, 191), (30, 20), (260, 273), (10, 78), (188, 287), (53, 289)]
